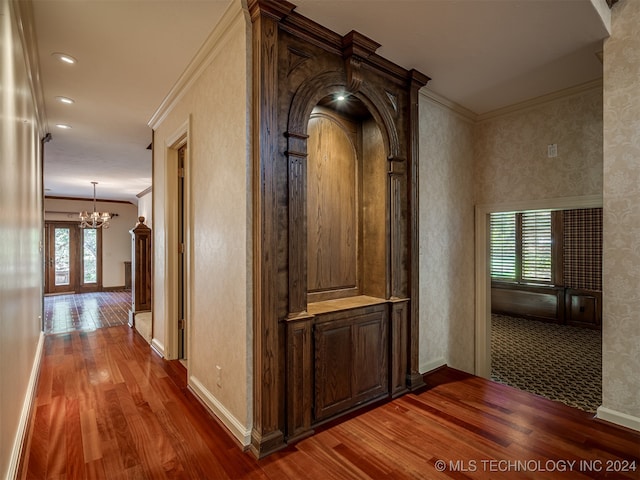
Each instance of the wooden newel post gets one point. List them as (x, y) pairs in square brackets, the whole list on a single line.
[(140, 270)]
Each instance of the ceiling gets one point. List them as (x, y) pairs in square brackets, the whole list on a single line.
[(480, 54)]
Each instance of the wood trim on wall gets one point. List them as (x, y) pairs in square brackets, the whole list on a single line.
[(267, 435)]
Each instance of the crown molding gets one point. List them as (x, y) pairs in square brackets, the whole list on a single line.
[(145, 192), (23, 15), (469, 115), (84, 199), (464, 112), (541, 100), (208, 51)]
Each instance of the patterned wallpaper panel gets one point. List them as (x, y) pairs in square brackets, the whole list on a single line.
[(511, 151), (583, 248), (621, 220)]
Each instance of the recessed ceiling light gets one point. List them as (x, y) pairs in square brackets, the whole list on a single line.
[(63, 57), (63, 126), (66, 100), (341, 98)]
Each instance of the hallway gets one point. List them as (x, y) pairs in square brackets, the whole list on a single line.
[(86, 311), (108, 407)]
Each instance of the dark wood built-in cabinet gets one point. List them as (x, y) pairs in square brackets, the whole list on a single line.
[(335, 230)]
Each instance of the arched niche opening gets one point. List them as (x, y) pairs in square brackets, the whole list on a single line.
[(346, 202)]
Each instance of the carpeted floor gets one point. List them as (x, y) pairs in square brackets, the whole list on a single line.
[(560, 362)]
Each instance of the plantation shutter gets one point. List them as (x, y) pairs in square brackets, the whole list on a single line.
[(536, 246), (503, 246)]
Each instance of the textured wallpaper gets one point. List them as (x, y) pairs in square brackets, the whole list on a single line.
[(446, 238), (621, 213), (219, 219), (511, 151)]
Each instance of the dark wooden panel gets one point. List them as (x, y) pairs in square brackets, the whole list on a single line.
[(399, 327), (141, 267), (540, 303), (332, 220), (374, 212), (351, 367), (333, 368), (299, 378), (369, 357), (583, 308), (268, 390)]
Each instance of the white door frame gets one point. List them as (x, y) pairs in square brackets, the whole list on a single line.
[(173, 143)]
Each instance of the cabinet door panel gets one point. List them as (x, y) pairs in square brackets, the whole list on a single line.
[(333, 368), (351, 360), (369, 357)]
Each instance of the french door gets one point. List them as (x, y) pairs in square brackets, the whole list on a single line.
[(73, 258)]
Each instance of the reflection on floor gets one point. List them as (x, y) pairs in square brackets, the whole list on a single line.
[(86, 311)]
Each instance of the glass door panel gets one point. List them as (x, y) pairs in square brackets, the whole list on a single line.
[(89, 256), (61, 274), (62, 256)]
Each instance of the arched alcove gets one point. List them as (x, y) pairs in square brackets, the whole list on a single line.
[(346, 202)]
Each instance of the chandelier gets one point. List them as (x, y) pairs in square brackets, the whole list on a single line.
[(94, 219)]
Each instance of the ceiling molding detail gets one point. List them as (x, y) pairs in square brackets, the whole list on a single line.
[(537, 101), (89, 199), (465, 113), (23, 12), (207, 52)]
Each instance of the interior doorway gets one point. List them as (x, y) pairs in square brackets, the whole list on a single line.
[(73, 258), (182, 344), (571, 303)]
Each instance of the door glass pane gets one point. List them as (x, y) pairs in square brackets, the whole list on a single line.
[(89, 256), (62, 256)]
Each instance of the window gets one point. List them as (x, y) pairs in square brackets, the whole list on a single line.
[(521, 247)]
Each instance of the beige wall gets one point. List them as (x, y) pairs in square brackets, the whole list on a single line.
[(20, 240), (446, 238), (215, 103), (145, 204), (511, 151), (116, 240), (621, 254), (502, 160)]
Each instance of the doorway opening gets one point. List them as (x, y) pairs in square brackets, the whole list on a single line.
[(524, 323), (73, 259), (182, 344)]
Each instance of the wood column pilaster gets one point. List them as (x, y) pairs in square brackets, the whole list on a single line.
[(267, 435), (417, 81)]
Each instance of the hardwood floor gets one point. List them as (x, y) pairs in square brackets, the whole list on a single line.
[(107, 407), (86, 311)]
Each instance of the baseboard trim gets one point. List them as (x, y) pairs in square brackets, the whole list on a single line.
[(157, 347), (237, 429), (25, 415), (432, 365), (115, 289), (619, 418)]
